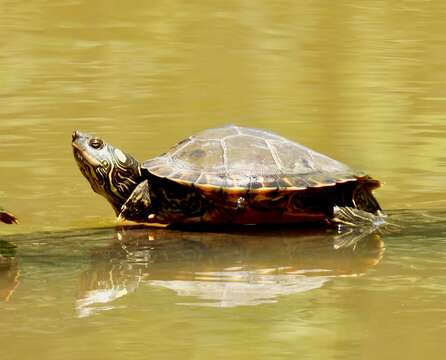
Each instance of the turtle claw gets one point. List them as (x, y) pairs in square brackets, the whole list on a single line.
[(121, 217)]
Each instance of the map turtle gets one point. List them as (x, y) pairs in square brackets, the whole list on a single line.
[(228, 175)]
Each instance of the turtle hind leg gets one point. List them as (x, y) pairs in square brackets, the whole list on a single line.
[(359, 218), (356, 217), (358, 224), (8, 218)]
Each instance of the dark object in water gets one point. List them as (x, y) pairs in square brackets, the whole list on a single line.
[(7, 217)]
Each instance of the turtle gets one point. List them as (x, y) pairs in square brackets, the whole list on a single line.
[(7, 217), (229, 175)]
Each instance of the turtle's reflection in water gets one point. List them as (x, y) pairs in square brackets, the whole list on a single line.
[(243, 267)]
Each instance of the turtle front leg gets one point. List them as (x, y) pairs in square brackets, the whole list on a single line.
[(137, 206)]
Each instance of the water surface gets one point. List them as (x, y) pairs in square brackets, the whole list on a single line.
[(362, 82), (117, 292)]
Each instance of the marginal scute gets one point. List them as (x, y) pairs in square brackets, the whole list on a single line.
[(267, 181), (237, 157), (238, 180), (190, 176), (293, 181), (218, 180), (319, 179)]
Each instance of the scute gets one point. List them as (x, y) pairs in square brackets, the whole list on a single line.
[(237, 157), (200, 154), (249, 155)]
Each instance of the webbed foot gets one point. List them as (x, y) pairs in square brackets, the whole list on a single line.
[(355, 225), (355, 217)]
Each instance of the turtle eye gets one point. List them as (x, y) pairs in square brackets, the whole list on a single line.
[(96, 143)]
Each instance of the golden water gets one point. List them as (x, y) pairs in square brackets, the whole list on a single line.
[(361, 81)]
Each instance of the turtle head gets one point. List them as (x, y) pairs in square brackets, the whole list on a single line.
[(110, 172)]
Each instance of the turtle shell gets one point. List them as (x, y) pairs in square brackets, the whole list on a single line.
[(238, 157)]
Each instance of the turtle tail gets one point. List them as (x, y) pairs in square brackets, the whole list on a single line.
[(363, 198)]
